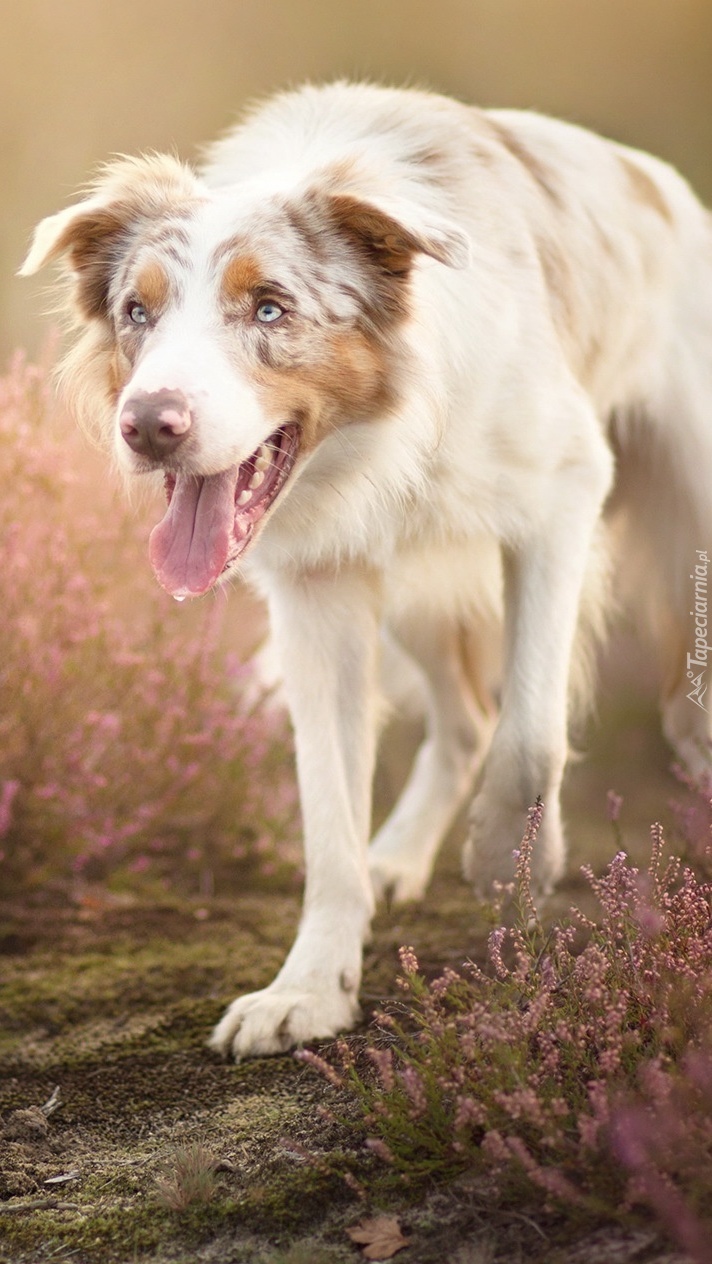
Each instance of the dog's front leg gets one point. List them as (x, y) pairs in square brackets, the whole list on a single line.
[(326, 633)]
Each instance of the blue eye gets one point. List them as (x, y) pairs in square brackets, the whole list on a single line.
[(137, 314), (268, 312)]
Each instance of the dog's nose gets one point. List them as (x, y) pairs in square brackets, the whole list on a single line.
[(154, 423)]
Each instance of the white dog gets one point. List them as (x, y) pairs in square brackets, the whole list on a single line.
[(415, 366)]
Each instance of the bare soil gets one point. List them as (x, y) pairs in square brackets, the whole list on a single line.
[(111, 999)]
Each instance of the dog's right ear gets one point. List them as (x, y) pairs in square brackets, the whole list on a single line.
[(92, 235), (84, 235)]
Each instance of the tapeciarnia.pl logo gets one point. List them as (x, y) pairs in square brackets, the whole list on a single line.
[(702, 649)]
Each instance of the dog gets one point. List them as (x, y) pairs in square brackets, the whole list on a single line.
[(415, 367)]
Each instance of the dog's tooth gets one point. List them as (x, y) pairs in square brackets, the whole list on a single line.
[(244, 497), (256, 481), (262, 461)]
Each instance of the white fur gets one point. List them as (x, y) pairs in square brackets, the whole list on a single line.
[(558, 346)]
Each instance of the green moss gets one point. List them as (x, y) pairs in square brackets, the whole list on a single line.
[(293, 1201)]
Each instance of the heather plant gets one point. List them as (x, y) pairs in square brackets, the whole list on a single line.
[(578, 1066), (127, 745), (692, 814)]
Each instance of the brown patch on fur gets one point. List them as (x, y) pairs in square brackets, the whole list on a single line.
[(241, 276), (380, 237), (119, 371), (350, 381), (387, 248), (153, 288), (94, 237), (542, 175), (644, 189), (341, 176), (305, 219), (92, 242)]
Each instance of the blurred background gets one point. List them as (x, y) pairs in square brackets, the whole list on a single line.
[(81, 79)]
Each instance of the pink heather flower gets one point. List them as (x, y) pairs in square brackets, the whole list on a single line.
[(614, 803), (469, 1113), (495, 1147), (650, 920), (550, 1179), (412, 1082), (50, 791), (521, 1103), (441, 986), (321, 1065), (382, 1059), (345, 1054), (495, 944), (380, 1149), (408, 961), (634, 1134), (698, 1068)]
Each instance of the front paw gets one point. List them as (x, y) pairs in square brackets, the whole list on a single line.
[(495, 832), (395, 878), (279, 1017)]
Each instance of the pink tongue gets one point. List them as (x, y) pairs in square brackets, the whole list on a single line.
[(189, 547)]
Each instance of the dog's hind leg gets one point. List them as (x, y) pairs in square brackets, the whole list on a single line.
[(665, 482), (545, 573), (458, 723)]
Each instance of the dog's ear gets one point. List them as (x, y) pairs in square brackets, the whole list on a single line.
[(393, 232), (92, 235), (86, 236)]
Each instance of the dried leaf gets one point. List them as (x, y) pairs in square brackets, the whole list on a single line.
[(380, 1237)]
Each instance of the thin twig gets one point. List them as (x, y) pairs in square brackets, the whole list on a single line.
[(38, 1204), (52, 1103)]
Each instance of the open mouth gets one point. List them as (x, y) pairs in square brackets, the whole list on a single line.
[(212, 519)]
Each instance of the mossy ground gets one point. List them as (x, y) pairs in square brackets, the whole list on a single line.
[(112, 998)]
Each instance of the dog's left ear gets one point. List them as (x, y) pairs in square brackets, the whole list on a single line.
[(393, 232)]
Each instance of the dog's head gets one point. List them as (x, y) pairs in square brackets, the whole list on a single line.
[(227, 332)]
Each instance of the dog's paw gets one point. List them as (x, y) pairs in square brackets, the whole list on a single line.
[(395, 879), (280, 1017), (495, 833)]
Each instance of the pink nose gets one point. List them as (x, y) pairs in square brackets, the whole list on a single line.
[(154, 423)]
